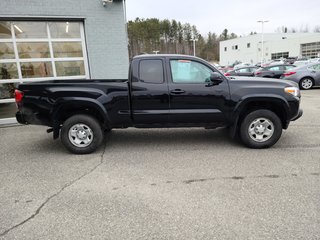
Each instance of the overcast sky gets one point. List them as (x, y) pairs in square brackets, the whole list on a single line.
[(238, 16)]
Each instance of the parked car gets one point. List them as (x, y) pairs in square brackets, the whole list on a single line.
[(225, 69), (273, 62), (290, 60), (161, 91), (314, 60), (274, 71), (306, 76), (301, 61), (241, 65), (244, 71)]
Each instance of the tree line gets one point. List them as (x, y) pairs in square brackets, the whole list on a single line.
[(173, 37)]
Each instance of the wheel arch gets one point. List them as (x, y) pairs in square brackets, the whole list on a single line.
[(273, 103), (65, 108)]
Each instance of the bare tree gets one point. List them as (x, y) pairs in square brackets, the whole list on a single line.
[(304, 28), (317, 29)]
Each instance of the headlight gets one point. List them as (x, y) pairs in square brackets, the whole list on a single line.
[(293, 91)]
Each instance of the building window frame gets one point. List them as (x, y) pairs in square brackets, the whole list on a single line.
[(52, 60)]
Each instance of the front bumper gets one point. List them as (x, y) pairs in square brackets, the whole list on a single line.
[(300, 113)]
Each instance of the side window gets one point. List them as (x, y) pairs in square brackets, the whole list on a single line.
[(243, 70), (288, 67), (151, 71), (185, 71), (316, 67), (276, 68)]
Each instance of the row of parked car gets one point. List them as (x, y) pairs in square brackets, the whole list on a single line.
[(307, 75)]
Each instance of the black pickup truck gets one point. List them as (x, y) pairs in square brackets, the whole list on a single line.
[(161, 91)]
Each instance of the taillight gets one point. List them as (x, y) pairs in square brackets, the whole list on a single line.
[(286, 74), (257, 73), (227, 74), (18, 95)]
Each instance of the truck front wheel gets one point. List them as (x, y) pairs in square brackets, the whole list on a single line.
[(81, 134), (260, 129)]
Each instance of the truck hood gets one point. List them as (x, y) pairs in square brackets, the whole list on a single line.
[(242, 87), (262, 82)]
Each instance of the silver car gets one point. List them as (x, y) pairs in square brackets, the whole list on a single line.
[(306, 76)]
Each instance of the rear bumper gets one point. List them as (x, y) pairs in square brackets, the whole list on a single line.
[(20, 118)]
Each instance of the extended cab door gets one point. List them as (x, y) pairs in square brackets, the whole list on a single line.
[(149, 92), (193, 98)]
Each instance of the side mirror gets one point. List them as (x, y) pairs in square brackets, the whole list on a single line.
[(216, 78)]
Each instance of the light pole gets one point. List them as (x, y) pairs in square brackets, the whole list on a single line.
[(262, 38), (194, 44)]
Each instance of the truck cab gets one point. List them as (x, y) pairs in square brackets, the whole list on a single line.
[(167, 91)]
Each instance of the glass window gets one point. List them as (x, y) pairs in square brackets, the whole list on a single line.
[(275, 68), (6, 51), (248, 45), (289, 67), (5, 30), (36, 69), (65, 49), (7, 90), (315, 67), (30, 30), (7, 110), (253, 69), (8, 71), (225, 49), (33, 50), (185, 71), (70, 68), (151, 71), (243, 70), (65, 29), (36, 47), (279, 55)]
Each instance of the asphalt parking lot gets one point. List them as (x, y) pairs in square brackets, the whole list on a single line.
[(163, 184)]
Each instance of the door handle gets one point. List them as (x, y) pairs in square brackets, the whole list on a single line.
[(178, 91)]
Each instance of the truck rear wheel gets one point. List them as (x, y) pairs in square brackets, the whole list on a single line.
[(260, 129), (81, 134)]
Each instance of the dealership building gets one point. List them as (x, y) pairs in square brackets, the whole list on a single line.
[(62, 39), (275, 45)]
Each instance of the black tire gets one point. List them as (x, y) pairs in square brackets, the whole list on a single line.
[(265, 121), (306, 83), (86, 134)]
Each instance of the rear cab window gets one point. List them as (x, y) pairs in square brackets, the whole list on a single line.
[(151, 71)]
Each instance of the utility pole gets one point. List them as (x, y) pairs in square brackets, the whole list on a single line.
[(262, 38)]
